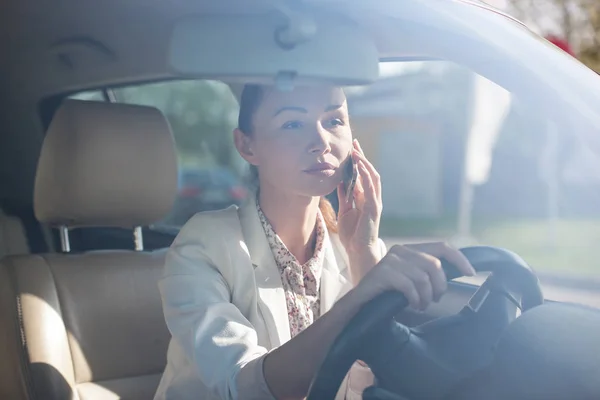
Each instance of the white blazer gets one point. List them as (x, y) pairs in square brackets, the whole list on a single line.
[(224, 305)]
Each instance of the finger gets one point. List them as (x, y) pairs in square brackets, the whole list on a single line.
[(450, 254), (430, 265), (344, 206), (358, 147), (421, 282), (375, 177), (359, 192), (391, 271), (368, 188), (406, 286)]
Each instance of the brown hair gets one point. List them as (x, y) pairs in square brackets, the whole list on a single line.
[(249, 101)]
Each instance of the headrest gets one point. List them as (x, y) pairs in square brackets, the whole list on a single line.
[(106, 164)]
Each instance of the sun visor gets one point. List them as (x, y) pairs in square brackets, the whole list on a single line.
[(274, 49)]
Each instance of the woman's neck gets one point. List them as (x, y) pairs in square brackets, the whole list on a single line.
[(293, 218)]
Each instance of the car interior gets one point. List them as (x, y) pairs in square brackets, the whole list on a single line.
[(82, 183), (90, 322)]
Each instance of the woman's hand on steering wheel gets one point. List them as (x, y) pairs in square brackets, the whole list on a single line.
[(416, 271)]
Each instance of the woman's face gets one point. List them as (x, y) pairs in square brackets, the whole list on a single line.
[(301, 139)]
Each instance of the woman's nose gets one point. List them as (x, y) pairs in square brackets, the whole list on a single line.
[(320, 143)]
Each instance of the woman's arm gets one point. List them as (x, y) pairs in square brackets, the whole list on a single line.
[(311, 345), (221, 342), (210, 331), (360, 263), (215, 337), (289, 369)]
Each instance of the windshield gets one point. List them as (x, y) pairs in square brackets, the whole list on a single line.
[(489, 136), (504, 51)]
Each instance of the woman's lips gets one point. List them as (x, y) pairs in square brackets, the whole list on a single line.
[(321, 169)]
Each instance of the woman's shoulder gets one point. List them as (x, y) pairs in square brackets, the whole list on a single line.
[(209, 225), (205, 243), (207, 235)]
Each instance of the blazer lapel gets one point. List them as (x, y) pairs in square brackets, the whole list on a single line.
[(334, 279), (271, 302)]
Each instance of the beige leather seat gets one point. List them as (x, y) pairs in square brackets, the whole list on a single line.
[(90, 325), (13, 239)]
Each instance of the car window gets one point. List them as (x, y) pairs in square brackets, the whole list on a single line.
[(461, 159), (96, 95)]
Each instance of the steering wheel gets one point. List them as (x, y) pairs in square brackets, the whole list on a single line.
[(428, 361)]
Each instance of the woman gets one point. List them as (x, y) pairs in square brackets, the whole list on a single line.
[(254, 296)]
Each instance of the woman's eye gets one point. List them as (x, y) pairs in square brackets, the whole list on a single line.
[(336, 122), (292, 125)]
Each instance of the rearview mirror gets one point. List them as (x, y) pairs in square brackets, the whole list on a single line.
[(272, 48)]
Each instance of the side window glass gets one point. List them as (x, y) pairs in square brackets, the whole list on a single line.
[(464, 160), (95, 95)]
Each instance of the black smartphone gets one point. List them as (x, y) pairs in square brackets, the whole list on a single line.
[(350, 177)]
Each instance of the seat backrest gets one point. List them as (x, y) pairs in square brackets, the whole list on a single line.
[(13, 239), (90, 325)]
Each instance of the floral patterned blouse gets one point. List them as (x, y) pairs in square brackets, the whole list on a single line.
[(300, 282)]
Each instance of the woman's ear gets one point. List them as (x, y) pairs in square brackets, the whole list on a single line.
[(243, 144)]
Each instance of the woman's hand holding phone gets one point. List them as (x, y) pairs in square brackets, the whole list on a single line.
[(360, 214)]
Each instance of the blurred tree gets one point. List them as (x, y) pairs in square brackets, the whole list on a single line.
[(577, 22), (590, 53)]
